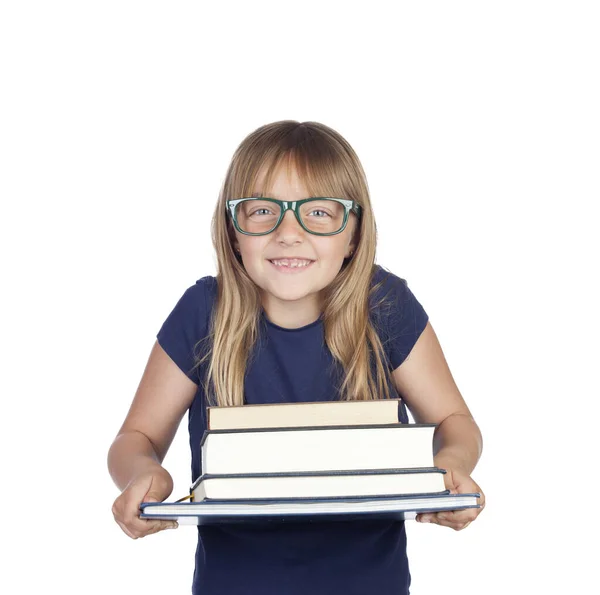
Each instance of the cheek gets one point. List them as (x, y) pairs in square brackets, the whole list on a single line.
[(333, 248), (253, 251)]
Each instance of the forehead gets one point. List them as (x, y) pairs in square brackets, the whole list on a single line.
[(293, 174), (283, 180), (291, 188)]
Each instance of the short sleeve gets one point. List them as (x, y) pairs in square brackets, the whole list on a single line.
[(185, 326), (401, 318)]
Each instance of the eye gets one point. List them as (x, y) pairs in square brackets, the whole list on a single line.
[(258, 210), (320, 211)]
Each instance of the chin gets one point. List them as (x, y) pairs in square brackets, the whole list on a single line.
[(288, 294)]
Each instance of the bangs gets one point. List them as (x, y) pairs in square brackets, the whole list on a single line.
[(318, 166)]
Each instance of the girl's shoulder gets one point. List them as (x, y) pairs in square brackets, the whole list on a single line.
[(391, 299), (399, 317), (200, 295), (191, 313), (387, 287), (209, 287), (186, 326)]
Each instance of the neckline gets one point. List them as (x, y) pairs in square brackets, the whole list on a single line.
[(292, 330)]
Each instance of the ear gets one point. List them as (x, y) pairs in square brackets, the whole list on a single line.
[(351, 249), (353, 240)]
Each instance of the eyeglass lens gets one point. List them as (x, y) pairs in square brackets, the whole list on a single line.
[(261, 216)]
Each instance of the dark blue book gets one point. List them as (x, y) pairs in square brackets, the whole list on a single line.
[(306, 510)]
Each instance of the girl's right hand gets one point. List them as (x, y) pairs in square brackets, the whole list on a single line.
[(151, 486)]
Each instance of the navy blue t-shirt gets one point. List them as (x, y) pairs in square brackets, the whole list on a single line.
[(295, 365)]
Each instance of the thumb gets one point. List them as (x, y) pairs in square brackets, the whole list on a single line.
[(149, 494), (451, 481), (152, 495), (148, 498)]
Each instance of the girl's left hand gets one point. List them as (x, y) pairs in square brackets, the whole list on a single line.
[(457, 482)]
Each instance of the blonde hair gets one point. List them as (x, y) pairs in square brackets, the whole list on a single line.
[(328, 166)]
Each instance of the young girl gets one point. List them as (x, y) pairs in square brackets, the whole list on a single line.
[(298, 312)]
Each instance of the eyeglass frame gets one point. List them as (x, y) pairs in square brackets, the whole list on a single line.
[(285, 205)]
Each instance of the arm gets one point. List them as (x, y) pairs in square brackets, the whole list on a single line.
[(135, 456), (162, 398), (458, 441), (131, 454), (426, 385)]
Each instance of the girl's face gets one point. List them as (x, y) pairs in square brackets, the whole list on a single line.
[(290, 296)]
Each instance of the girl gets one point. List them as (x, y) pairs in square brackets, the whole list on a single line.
[(298, 312)]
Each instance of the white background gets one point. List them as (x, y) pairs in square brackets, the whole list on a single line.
[(478, 126)]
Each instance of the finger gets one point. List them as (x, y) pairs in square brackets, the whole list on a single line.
[(448, 518), (460, 526), (455, 526), (454, 516), (481, 502), (445, 522), (152, 529), (144, 527), (131, 514), (431, 517), (460, 516), (161, 525), (147, 526)]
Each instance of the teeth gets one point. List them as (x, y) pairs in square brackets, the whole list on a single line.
[(291, 263)]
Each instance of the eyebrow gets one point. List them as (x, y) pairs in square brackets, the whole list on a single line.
[(261, 195)]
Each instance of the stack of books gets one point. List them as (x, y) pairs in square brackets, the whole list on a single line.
[(313, 461)]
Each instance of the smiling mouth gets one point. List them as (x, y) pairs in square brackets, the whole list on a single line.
[(291, 264)]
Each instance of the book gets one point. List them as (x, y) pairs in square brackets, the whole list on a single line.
[(280, 415), (326, 448), (388, 482), (264, 464), (306, 511)]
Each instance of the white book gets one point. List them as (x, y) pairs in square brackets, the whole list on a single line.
[(321, 413), (388, 482), (339, 448)]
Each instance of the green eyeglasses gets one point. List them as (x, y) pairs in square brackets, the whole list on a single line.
[(320, 216)]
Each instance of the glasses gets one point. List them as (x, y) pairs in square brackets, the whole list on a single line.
[(319, 216)]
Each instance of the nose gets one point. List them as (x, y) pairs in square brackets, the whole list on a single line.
[(289, 229)]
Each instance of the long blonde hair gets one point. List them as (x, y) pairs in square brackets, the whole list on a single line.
[(328, 166)]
